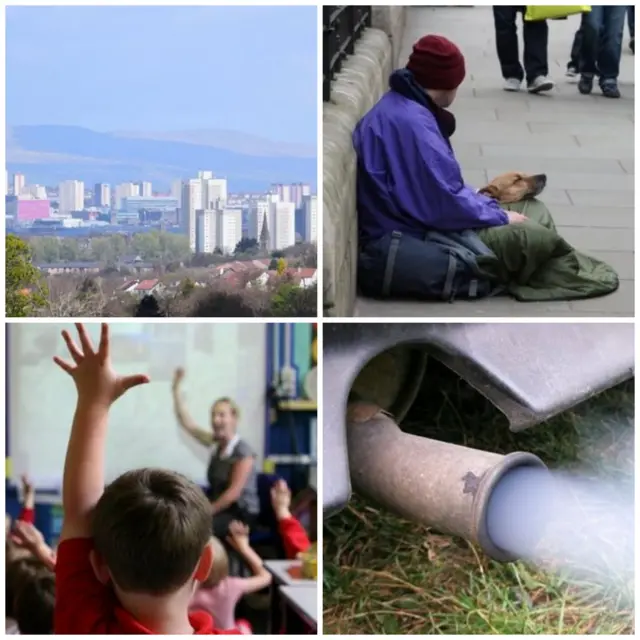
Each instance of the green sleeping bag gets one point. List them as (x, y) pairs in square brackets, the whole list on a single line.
[(535, 264)]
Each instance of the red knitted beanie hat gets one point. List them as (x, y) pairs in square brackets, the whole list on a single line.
[(437, 63)]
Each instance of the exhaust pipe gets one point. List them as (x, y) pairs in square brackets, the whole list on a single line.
[(441, 485)]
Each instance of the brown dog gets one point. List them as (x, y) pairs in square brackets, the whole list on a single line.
[(515, 186)]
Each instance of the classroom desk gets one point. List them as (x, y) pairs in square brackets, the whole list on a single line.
[(279, 569), (304, 601)]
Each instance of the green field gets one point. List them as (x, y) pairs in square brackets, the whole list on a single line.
[(385, 575)]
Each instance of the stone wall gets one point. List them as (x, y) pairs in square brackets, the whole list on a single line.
[(359, 85)]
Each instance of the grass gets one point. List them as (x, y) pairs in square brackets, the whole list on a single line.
[(384, 575)]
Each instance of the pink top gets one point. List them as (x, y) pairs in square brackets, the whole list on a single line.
[(11, 627), (220, 601)]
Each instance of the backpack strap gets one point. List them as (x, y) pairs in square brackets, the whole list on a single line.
[(391, 261), (447, 290)]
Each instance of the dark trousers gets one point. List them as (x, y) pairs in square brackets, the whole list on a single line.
[(631, 20), (535, 34), (576, 48), (602, 34)]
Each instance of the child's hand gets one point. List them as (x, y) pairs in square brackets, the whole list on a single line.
[(281, 499), (26, 535), (96, 381), (178, 377), (238, 536), (27, 487)]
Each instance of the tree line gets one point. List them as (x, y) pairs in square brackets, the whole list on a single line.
[(159, 247), (150, 246)]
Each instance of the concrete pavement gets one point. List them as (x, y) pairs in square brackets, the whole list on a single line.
[(585, 145)]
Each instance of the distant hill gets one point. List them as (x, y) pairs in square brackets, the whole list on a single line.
[(48, 154)]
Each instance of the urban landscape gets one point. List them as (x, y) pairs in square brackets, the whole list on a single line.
[(184, 208), (139, 242)]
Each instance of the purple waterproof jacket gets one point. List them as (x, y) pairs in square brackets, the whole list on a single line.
[(408, 178)]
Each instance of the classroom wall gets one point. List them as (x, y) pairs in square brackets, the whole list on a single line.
[(286, 432)]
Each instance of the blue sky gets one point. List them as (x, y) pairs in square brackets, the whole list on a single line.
[(249, 69)]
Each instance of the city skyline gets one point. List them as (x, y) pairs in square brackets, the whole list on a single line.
[(124, 82), (201, 208)]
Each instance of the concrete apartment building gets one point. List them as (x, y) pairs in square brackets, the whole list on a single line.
[(71, 196), (204, 193)]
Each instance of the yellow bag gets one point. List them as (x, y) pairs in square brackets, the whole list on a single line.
[(543, 12)]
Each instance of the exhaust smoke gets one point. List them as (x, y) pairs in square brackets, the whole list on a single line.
[(565, 521)]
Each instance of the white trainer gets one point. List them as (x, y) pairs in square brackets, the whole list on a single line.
[(512, 84), (540, 85)]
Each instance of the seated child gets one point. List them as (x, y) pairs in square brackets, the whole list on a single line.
[(293, 535), (34, 603), (29, 597), (131, 554), (13, 549), (220, 593), (30, 589)]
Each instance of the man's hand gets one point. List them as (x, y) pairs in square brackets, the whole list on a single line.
[(238, 536), (281, 499), (178, 377), (515, 217), (96, 381)]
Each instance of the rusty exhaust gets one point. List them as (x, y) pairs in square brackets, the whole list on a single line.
[(444, 486)]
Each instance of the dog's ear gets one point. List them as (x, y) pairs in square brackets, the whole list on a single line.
[(490, 190)]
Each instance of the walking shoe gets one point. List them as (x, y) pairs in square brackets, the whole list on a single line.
[(632, 46), (571, 72), (540, 84), (585, 86), (512, 84), (610, 89)]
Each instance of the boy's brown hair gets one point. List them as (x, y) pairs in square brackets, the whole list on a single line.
[(151, 526), (35, 602)]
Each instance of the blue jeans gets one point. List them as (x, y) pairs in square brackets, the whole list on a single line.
[(602, 30)]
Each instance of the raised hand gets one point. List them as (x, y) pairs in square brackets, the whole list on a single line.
[(96, 380), (281, 499), (178, 377), (27, 487), (238, 534), (26, 535)]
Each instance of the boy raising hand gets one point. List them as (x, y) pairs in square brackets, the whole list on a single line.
[(131, 554)]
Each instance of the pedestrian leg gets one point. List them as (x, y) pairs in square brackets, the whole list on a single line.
[(591, 39), (573, 67), (507, 46), (536, 37), (611, 50)]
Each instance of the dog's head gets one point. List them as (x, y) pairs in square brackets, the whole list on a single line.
[(515, 186)]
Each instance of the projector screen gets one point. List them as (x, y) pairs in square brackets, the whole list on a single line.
[(219, 359)]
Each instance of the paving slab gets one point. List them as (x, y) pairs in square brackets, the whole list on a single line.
[(585, 145)]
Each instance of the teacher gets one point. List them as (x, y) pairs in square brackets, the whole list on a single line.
[(232, 477)]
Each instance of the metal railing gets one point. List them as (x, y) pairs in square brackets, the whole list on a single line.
[(342, 26)]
